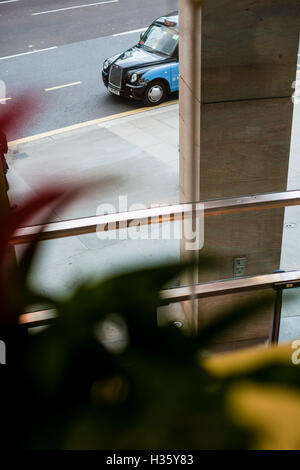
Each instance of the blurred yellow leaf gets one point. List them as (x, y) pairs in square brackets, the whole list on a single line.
[(248, 359), (273, 412)]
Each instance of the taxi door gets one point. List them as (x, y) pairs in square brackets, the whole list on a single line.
[(174, 85), (174, 73)]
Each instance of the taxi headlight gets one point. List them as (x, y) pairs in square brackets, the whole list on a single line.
[(133, 78), (105, 65)]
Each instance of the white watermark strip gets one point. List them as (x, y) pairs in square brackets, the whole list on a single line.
[(3, 97), (2, 352)]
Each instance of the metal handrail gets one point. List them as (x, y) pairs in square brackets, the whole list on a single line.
[(156, 215), (163, 214), (207, 289), (230, 286)]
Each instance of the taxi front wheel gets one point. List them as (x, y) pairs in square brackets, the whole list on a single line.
[(155, 93)]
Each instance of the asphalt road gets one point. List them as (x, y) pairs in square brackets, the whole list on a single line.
[(42, 49)]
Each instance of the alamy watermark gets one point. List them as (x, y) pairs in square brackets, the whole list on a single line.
[(2, 352), (296, 354), (184, 228)]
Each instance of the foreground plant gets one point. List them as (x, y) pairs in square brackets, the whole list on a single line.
[(71, 387)]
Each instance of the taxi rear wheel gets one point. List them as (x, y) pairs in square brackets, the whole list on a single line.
[(155, 93)]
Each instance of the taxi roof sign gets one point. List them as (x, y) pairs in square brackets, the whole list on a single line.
[(169, 23)]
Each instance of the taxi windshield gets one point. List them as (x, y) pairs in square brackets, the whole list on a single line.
[(161, 39)]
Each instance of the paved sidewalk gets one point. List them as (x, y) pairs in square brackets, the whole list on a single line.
[(141, 151)]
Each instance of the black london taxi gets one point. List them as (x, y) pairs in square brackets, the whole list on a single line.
[(148, 71)]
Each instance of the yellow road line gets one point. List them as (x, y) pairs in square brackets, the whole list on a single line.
[(4, 99), (80, 125), (61, 86)]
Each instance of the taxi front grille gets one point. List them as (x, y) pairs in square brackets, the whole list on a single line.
[(115, 76)]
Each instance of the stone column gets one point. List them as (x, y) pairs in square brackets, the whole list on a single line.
[(248, 65)]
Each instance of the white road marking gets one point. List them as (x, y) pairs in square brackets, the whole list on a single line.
[(29, 52), (61, 86), (72, 8), (129, 32), (4, 99), (9, 1)]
